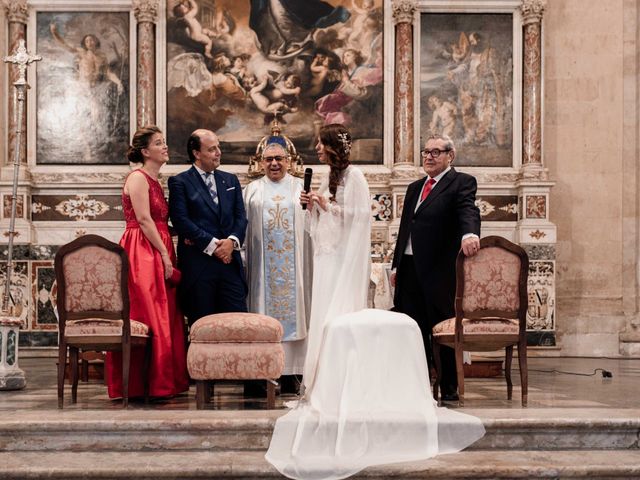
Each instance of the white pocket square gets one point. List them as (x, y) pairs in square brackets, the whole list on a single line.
[(231, 188)]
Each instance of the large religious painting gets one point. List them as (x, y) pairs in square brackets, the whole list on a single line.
[(466, 84), (235, 67), (83, 87)]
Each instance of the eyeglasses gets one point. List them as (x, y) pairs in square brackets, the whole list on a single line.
[(278, 158), (434, 152)]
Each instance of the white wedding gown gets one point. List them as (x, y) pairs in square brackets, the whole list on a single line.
[(367, 400)]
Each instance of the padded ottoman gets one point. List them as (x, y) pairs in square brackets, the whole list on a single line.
[(235, 346)]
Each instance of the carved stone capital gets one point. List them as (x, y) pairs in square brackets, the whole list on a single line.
[(145, 10), (16, 10), (404, 11), (532, 11)]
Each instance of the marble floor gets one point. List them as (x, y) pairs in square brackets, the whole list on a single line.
[(582, 386)]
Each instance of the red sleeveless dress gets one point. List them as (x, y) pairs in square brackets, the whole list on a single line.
[(153, 302)]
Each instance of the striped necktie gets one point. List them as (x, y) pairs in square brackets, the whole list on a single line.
[(210, 182)]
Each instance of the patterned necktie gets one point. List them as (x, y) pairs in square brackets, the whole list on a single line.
[(427, 189), (210, 182)]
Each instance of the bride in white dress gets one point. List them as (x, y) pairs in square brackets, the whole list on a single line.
[(367, 399)]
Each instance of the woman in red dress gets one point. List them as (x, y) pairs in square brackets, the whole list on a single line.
[(148, 244)]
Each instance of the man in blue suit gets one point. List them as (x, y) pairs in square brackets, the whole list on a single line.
[(207, 211)]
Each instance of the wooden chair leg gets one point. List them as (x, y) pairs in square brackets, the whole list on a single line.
[(126, 361), (62, 363), (271, 395), (74, 360), (524, 373), (508, 359), (84, 370), (146, 367), (460, 373), (201, 389), (435, 348), (208, 388)]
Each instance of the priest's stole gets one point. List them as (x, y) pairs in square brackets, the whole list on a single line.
[(279, 256)]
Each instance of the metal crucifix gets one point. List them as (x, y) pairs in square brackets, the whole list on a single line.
[(20, 58)]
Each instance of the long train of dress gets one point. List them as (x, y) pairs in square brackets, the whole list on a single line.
[(370, 404)]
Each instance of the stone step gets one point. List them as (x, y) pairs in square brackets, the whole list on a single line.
[(219, 431), (477, 465)]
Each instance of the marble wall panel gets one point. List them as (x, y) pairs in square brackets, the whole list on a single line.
[(381, 206), (38, 339), (43, 290), (541, 295), (498, 208), (20, 292), (493, 208), (30, 252), (536, 206), (6, 206), (80, 207)]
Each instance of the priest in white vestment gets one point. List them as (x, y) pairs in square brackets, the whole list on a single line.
[(278, 252)]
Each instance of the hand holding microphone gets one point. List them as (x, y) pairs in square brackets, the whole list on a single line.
[(308, 173)]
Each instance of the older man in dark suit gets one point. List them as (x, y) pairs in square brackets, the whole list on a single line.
[(207, 211), (438, 219)]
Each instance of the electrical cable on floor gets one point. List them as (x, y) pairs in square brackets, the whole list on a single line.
[(605, 373)]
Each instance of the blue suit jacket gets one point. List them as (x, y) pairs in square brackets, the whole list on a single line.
[(196, 217)]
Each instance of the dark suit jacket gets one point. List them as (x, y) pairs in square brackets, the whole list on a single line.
[(195, 216), (436, 230)]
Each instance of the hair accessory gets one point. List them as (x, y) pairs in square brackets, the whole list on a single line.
[(346, 142)]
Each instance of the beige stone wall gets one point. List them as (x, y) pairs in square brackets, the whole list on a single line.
[(589, 115)]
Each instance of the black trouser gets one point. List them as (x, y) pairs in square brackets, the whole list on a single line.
[(412, 302)]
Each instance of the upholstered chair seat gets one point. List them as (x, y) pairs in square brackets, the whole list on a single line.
[(235, 346), (103, 327), (478, 326)]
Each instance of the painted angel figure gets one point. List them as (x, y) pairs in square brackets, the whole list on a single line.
[(187, 10), (275, 98), (188, 70), (93, 65)]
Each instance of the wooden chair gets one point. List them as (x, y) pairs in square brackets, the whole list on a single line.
[(490, 306), (93, 309)]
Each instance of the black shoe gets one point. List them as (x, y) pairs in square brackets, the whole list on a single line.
[(450, 397), (449, 393), (290, 384)]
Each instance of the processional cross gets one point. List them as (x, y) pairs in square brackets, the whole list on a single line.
[(21, 58)]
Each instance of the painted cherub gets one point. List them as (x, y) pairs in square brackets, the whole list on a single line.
[(188, 10), (276, 98)]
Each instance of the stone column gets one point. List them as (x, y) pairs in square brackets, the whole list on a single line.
[(403, 114), (17, 16), (146, 13), (531, 89)]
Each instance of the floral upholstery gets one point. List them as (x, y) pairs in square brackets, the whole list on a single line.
[(235, 346), (236, 327), (491, 280), (235, 361), (488, 326), (103, 327), (92, 277)]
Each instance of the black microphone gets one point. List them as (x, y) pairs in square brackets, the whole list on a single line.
[(308, 173)]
